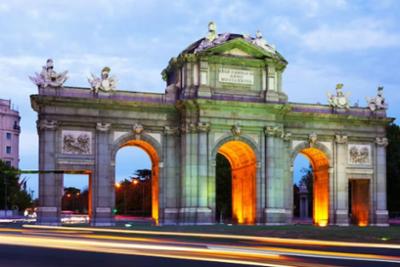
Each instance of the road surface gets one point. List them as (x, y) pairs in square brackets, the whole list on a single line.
[(73, 246)]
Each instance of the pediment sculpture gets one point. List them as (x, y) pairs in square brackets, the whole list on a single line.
[(212, 38), (105, 83), (48, 77)]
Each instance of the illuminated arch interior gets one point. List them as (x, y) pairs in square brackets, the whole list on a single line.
[(359, 201), (149, 149), (320, 166), (243, 165)]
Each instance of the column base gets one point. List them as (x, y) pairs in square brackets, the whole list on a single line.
[(342, 218), (277, 216), (170, 216), (381, 218), (48, 216), (102, 217), (198, 216)]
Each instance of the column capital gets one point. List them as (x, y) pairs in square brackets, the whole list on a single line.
[(381, 141), (203, 127), (189, 128), (341, 139), (273, 131), (171, 130), (47, 124), (103, 127), (286, 136)]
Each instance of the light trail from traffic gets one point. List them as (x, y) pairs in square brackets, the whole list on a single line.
[(170, 251), (248, 250), (223, 236)]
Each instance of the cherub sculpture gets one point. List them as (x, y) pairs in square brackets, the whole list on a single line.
[(49, 77), (340, 100), (377, 102), (105, 83)]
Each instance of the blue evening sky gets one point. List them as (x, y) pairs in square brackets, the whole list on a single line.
[(326, 42)]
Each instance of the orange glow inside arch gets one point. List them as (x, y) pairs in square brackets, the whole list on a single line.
[(149, 149), (243, 165), (320, 166)]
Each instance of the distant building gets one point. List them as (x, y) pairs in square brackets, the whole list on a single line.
[(9, 133)]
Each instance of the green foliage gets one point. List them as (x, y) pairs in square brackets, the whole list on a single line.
[(135, 198), (75, 200), (393, 168), (143, 174), (17, 197)]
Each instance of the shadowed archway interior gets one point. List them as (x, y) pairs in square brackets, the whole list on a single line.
[(320, 166), (243, 172), (149, 149)]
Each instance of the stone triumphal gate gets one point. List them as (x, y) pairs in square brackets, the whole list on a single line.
[(224, 95)]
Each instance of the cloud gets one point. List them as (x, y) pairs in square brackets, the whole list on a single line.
[(304, 78), (4, 8), (357, 35)]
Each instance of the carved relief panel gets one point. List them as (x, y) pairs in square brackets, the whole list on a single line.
[(76, 142), (359, 154)]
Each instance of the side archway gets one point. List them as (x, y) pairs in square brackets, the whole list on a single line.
[(152, 148), (319, 157)]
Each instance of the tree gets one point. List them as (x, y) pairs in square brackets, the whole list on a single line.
[(75, 200), (393, 168), (12, 189), (143, 174)]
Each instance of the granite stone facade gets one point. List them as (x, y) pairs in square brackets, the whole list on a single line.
[(229, 92)]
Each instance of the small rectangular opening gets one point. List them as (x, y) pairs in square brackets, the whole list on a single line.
[(359, 200), (76, 198)]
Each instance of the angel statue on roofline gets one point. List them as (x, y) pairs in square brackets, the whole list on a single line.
[(340, 100), (105, 83), (48, 77), (378, 102)]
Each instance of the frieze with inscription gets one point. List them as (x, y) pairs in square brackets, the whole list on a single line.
[(236, 76)]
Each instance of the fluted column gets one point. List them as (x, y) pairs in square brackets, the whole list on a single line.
[(169, 186), (381, 213), (194, 154), (50, 184), (103, 192), (342, 182), (276, 200)]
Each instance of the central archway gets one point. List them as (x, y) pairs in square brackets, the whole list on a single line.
[(320, 167), (242, 160), (149, 149)]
